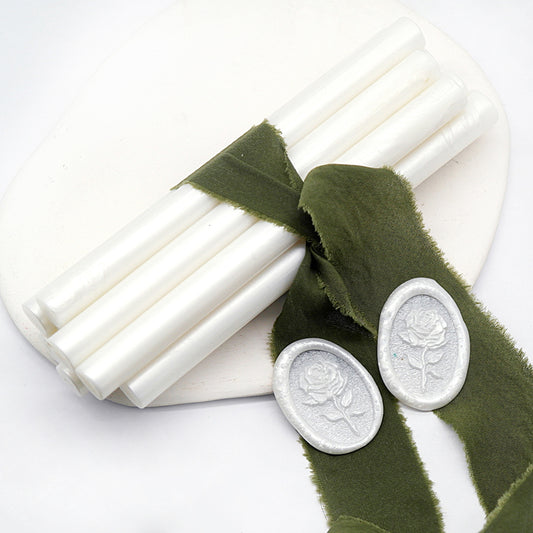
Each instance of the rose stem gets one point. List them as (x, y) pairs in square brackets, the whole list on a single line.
[(342, 411), (423, 363)]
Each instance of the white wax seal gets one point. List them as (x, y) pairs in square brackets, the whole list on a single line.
[(423, 345), (327, 395)]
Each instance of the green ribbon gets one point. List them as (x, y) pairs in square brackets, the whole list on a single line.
[(365, 237)]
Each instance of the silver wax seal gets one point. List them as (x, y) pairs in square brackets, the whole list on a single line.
[(327, 395), (423, 345)]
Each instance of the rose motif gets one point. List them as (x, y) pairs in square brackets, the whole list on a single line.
[(425, 328), (322, 381)]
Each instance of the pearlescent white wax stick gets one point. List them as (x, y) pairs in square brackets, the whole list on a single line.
[(39, 319), (106, 265), (409, 126), (138, 291), (476, 118), (213, 330), (68, 375), (338, 86), (365, 112), (183, 307)]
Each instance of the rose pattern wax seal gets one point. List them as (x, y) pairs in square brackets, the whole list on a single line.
[(327, 395), (423, 345)]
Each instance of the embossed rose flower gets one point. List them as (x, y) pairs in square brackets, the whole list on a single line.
[(322, 381), (425, 328)]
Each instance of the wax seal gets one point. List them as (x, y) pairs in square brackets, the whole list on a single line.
[(423, 345), (327, 395)]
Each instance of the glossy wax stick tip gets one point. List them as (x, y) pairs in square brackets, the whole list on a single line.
[(91, 385), (476, 118), (38, 317), (56, 354), (141, 403), (71, 379), (485, 110)]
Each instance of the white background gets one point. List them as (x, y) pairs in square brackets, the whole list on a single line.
[(63, 460)]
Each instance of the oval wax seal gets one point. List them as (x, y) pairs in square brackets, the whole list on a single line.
[(423, 345), (327, 395)]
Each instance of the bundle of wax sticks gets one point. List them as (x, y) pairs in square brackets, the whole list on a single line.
[(141, 310)]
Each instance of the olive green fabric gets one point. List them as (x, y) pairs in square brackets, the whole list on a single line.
[(348, 524), (257, 161), (514, 512), (365, 237)]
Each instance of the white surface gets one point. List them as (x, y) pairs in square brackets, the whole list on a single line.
[(78, 464)]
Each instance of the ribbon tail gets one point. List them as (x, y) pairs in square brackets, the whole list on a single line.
[(349, 524), (384, 482), (514, 511)]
